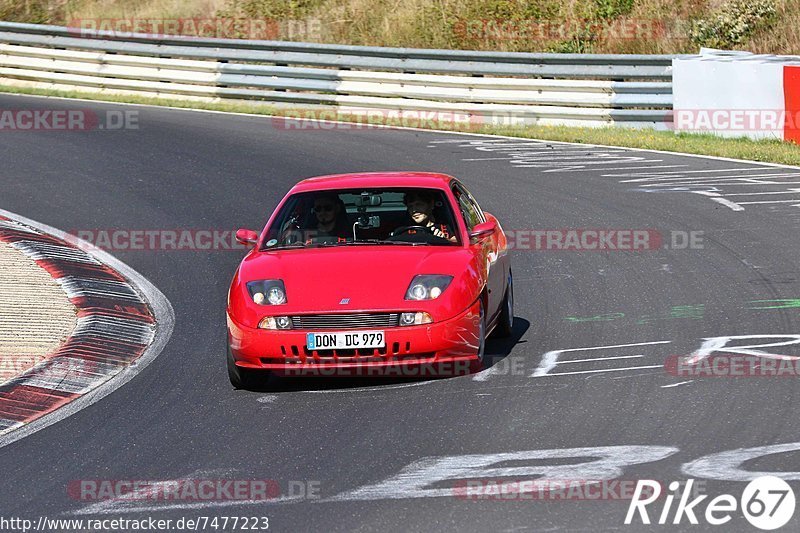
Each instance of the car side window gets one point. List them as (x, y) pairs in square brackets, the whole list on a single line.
[(481, 216), (469, 209)]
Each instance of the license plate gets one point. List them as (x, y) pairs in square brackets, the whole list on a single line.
[(345, 340)]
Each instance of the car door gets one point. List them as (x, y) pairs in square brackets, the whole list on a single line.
[(487, 248)]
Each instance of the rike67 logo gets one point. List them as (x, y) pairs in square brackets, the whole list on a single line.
[(767, 502)]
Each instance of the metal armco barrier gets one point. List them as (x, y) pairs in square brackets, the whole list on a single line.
[(486, 87)]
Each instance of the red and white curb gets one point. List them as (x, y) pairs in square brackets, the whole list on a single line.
[(123, 323)]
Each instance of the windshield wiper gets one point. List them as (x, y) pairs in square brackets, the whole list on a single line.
[(379, 241), (290, 246), (331, 244)]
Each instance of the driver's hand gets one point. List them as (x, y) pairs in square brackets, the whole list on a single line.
[(439, 233)]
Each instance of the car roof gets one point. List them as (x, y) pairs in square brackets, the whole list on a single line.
[(432, 180)]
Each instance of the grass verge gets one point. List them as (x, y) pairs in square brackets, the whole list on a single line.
[(586, 26), (768, 151)]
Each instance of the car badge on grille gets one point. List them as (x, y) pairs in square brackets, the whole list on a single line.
[(344, 301)]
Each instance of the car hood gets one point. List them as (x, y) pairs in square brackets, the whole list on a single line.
[(358, 278)]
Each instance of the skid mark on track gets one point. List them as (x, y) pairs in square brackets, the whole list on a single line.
[(722, 186), (643, 169), (551, 157), (624, 361)]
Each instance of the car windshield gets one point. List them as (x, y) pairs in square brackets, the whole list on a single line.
[(403, 216)]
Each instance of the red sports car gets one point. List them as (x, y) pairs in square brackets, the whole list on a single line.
[(370, 274)]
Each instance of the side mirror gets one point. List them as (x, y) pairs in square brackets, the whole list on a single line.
[(483, 230), (247, 237)]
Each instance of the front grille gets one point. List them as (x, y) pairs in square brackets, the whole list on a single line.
[(351, 353), (346, 321)]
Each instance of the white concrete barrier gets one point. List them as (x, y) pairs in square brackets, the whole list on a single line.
[(737, 94)]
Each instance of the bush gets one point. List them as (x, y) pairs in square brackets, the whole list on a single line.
[(271, 9), (611, 9), (32, 11), (734, 23)]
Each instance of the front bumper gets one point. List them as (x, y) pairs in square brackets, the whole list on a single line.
[(447, 348)]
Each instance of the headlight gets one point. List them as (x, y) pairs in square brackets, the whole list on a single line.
[(275, 322), (267, 292), (427, 286), (413, 319)]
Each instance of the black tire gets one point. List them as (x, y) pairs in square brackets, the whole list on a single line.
[(506, 321), (482, 338), (240, 378)]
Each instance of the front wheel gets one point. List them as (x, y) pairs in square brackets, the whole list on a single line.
[(506, 322), (482, 338), (240, 378)]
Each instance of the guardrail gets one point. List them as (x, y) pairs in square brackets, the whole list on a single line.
[(573, 89)]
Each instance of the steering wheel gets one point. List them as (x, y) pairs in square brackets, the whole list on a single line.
[(291, 234), (406, 229)]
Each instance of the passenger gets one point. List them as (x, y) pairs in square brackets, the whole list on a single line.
[(420, 205), (331, 220)]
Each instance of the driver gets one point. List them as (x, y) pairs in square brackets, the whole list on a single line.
[(329, 216), (420, 204)]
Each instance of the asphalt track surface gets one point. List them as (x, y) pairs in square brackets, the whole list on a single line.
[(180, 418)]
